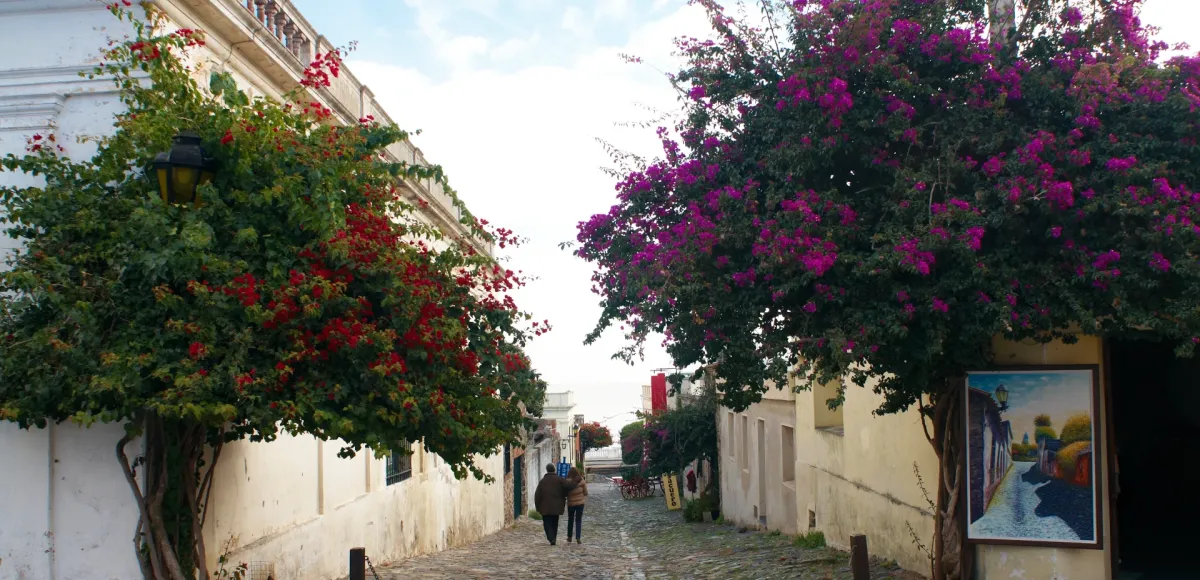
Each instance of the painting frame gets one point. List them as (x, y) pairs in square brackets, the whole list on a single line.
[(1083, 378)]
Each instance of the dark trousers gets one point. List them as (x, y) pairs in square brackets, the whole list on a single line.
[(550, 524), (574, 519)]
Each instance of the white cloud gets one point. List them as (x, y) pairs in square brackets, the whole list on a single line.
[(513, 48), (612, 9), (520, 148), (459, 52)]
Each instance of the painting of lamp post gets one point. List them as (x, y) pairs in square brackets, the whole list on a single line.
[(1038, 487)]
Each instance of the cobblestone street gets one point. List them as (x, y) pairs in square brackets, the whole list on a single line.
[(633, 539)]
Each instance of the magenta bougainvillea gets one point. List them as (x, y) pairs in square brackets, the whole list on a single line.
[(879, 187)]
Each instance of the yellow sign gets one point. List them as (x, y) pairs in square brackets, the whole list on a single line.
[(671, 489)]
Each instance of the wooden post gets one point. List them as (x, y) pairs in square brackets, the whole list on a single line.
[(860, 561), (358, 564)]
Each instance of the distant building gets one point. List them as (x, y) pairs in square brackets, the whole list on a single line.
[(560, 409)]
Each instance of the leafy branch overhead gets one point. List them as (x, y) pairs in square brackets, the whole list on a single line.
[(877, 189)]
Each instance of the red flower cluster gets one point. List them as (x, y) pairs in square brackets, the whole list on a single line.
[(319, 70), (145, 51), (243, 287)]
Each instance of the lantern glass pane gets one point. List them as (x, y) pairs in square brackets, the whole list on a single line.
[(164, 187), (184, 183)]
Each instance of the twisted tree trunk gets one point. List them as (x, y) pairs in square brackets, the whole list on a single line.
[(172, 495), (952, 560)]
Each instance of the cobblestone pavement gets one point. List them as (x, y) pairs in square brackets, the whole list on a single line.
[(635, 539)]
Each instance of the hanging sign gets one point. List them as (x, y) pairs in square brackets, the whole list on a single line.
[(670, 485), (563, 468)]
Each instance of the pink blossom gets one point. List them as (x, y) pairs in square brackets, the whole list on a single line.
[(1159, 262)]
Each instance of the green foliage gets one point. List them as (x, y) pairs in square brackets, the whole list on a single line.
[(1024, 451), (1077, 428), (534, 515), (632, 442), (1040, 433), (677, 437), (810, 540), (693, 511), (1042, 420)]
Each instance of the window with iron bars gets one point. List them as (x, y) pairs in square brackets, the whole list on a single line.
[(507, 459), (399, 467)]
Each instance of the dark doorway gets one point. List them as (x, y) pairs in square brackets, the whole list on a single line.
[(1155, 399), (518, 486)]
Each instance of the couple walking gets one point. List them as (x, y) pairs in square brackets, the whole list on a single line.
[(553, 493)]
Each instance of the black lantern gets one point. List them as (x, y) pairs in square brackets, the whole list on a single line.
[(1002, 397), (180, 171)]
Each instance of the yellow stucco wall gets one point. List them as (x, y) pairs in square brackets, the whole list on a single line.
[(862, 481), (1004, 562)]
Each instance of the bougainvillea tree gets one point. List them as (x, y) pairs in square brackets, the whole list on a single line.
[(676, 437), (302, 294), (594, 436), (874, 189)]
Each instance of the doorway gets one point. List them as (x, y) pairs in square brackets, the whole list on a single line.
[(518, 485), (762, 473), (1154, 396)]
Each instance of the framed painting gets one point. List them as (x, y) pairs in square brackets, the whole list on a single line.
[(1033, 448)]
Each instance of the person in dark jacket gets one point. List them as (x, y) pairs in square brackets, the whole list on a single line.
[(550, 500)]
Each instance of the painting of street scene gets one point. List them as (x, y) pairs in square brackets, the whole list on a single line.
[(1031, 471)]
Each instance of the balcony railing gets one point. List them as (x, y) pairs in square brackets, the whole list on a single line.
[(282, 26)]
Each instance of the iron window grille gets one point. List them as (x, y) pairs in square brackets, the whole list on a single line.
[(399, 467), (507, 459)]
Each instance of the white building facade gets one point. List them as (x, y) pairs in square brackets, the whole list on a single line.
[(559, 408), (290, 507)]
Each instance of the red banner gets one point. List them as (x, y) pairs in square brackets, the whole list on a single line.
[(658, 392)]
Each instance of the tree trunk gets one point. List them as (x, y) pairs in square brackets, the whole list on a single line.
[(952, 559), (172, 497)]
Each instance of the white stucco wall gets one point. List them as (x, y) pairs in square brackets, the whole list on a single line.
[(295, 504), (753, 492), (66, 511)]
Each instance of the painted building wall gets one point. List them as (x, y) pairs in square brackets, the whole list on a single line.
[(855, 474), (291, 503), (757, 489)]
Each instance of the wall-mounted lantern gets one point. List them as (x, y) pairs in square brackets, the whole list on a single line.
[(182, 170), (1002, 397)]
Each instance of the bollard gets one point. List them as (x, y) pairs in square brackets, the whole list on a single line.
[(358, 564), (860, 561)]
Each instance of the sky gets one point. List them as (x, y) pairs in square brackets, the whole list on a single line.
[(511, 96)]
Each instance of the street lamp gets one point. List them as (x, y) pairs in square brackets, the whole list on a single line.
[(182, 169), (1002, 397)]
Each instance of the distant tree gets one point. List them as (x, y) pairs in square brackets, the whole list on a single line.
[(677, 437), (1040, 433), (1077, 428), (594, 436), (632, 442), (1042, 420)]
